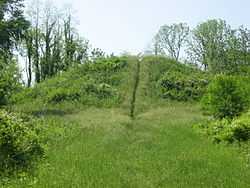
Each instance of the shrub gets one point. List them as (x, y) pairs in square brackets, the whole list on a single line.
[(228, 130), (240, 128), (20, 145), (183, 87), (62, 94), (173, 80), (226, 97), (101, 91)]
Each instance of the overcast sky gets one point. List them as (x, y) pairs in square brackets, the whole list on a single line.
[(129, 25)]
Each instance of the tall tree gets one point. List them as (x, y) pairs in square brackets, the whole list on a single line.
[(244, 44), (171, 39), (34, 16), (54, 42), (49, 23), (28, 45), (69, 42), (208, 44)]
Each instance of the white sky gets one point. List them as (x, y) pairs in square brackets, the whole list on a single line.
[(129, 25)]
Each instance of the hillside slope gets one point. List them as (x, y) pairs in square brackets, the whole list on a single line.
[(104, 147), (108, 82)]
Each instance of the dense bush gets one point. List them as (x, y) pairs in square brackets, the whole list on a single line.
[(229, 130), (240, 129), (226, 97), (62, 94), (183, 87), (20, 145)]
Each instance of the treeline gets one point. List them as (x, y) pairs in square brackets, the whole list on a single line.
[(213, 45), (52, 44), (45, 37), (49, 44)]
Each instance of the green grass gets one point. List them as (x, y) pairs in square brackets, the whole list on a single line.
[(158, 149), (101, 147)]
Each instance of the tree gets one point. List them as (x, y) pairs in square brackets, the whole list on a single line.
[(34, 17), (12, 29), (12, 25), (9, 79), (70, 45), (171, 39), (244, 44), (28, 46), (97, 53), (155, 47), (208, 44), (49, 23), (52, 45)]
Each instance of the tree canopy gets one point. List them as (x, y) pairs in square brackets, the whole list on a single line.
[(12, 24)]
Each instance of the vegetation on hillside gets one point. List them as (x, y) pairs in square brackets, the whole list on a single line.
[(96, 83), (20, 143), (82, 118)]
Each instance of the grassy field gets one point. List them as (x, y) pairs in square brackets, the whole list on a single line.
[(101, 147), (158, 149)]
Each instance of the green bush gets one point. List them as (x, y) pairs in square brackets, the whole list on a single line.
[(61, 94), (183, 87), (240, 129), (173, 80), (226, 97), (20, 145), (229, 130)]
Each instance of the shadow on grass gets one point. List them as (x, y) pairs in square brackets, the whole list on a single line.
[(51, 112)]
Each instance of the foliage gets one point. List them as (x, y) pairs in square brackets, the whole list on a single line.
[(91, 154), (218, 47), (171, 39), (12, 24), (240, 128), (51, 44), (61, 94), (9, 80), (173, 80), (183, 87), (208, 43), (90, 83), (236, 130), (226, 97), (20, 145)]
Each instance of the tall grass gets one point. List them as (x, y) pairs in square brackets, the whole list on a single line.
[(159, 150), (103, 147)]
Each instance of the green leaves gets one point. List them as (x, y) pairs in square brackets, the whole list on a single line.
[(20, 145), (93, 83), (226, 97), (183, 87), (12, 24), (218, 47), (225, 130), (9, 81)]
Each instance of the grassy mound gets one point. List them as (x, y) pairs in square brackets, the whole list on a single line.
[(108, 82)]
